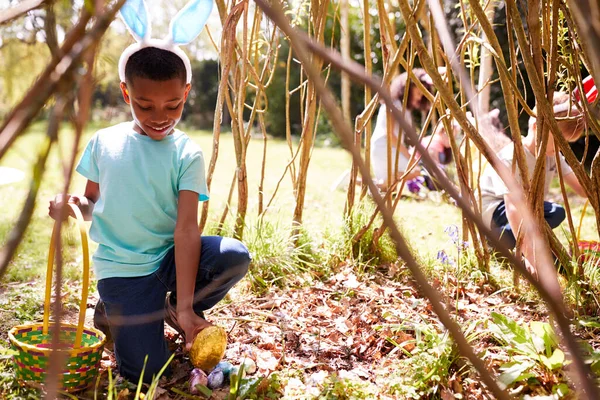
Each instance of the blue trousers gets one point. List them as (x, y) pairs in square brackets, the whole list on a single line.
[(553, 214), (135, 306)]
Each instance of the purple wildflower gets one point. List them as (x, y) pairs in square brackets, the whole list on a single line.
[(443, 257), (452, 231)]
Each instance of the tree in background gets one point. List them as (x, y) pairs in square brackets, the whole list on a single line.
[(276, 116)]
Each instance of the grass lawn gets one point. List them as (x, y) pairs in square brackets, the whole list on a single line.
[(323, 212), (394, 345)]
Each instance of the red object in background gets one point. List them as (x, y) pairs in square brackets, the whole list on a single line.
[(591, 92), (590, 250)]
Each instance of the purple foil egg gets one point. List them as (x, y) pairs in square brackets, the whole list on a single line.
[(197, 377), (216, 379)]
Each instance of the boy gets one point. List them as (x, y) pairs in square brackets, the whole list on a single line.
[(145, 179), (498, 210)]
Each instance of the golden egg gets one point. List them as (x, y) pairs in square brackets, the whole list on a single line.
[(208, 347)]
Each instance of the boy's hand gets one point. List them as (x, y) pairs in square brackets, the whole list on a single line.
[(191, 323), (56, 205)]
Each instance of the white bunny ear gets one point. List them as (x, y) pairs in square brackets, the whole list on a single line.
[(135, 15), (189, 22)]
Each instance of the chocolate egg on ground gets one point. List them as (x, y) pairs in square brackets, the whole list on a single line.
[(225, 367), (249, 366), (208, 347), (197, 377), (216, 379)]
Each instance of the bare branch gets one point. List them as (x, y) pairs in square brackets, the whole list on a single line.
[(344, 130), (16, 234), (35, 98), (19, 10), (84, 103)]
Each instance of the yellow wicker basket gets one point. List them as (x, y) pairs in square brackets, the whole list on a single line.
[(81, 347)]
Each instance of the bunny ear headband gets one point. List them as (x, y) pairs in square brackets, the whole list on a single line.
[(185, 27)]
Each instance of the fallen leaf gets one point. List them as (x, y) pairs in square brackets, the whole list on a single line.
[(161, 394), (342, 324), (123, 394), (266, 361), (447, 395), (351, 282)]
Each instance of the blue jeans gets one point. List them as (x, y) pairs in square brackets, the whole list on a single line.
[(135, 306), (553, 214)]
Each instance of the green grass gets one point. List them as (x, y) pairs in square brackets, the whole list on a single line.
[(323, 210), (280, 259)]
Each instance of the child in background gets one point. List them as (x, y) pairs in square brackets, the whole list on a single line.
[(498, 211), (144, 181), (439, 149), (379, 140)]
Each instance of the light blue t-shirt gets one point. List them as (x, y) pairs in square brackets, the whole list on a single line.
[(134, 219)]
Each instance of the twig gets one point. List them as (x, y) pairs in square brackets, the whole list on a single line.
[(227, 54), (88, 45), (585, 13), (318, 16), (55, 361), (345, 132), (57, 70), (84, 103), (20, 9)]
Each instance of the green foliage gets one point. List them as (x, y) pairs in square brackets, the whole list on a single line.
[(269, 390), (426, 368), (531, 347), (202, 100), (366, 250), (336, 387), (280, 257)]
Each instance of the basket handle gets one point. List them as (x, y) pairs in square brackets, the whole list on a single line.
[(85, 280)]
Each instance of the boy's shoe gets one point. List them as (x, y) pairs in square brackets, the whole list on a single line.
[(101, 323), (171, 314)]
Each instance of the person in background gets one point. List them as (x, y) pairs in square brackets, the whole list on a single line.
[(498, 210), (416, 102)]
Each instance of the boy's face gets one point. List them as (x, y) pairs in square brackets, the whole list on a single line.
[(156, 106), (570, 135)]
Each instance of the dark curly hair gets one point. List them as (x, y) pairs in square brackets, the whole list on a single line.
[(155, 64)]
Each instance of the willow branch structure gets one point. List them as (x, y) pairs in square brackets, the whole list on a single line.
[(241, 71), (343, 129), (547, 288)]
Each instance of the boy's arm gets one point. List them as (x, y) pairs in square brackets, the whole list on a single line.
[(573, 182), (187, 259), (88, 200), (85, 202)]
